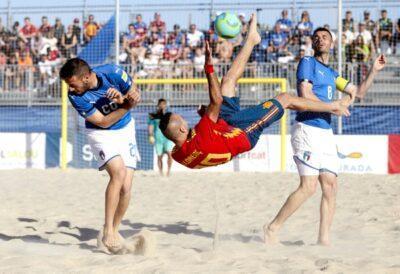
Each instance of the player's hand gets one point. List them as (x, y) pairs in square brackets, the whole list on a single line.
[(379, 62), (340, 108), (133, 97), (152, 140), (115, 96), (209, 59)]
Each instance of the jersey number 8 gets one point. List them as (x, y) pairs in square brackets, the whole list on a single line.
[(330, 93), (110, 107)]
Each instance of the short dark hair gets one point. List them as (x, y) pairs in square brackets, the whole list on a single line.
[(161, 100), (164, 121), (74, 67), (322, 29)]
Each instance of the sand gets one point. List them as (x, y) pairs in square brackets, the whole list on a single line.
[(50, 220)]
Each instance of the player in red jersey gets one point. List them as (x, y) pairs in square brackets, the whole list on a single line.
[(224, 130)]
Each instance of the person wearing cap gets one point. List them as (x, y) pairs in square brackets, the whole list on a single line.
[(285, 24), (385, 32)]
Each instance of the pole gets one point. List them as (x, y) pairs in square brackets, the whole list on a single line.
[(340, 50), (117, 32), (211, 10), (64, 125), (9, 22), (283, 122)]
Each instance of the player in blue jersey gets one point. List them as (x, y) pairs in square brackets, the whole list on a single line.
[(314, 147), (103, 96)]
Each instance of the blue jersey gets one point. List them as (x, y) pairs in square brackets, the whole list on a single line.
[(108, 76), (323, 80)]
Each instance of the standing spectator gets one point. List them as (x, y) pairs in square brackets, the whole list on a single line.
[(396, 39), (45, 27), (366, 35), (77, 30), (385, 30), (69, 43), (194, 38), (28, 31), (140, 26), (36, 45), (285, 24), (158, 23), (348, 21), (90, 29), (305, 26), (133, 45), (58, 31)]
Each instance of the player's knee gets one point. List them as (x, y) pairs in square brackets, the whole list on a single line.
[(126, 189), (119, 174), (284, 99), (329, 188), (308, 188), (227, 83)]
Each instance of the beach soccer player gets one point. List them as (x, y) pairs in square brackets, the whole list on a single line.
[(313, 142), (103, 96), (224, 130)]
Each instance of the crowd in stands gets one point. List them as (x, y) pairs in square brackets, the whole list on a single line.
[(153, 50)]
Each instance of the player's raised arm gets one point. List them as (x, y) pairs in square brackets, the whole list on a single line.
[(359, 91), (214, 88)]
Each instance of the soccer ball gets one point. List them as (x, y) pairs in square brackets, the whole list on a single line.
[(227, 25)]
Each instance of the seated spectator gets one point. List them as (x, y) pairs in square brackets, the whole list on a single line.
[(69, 43), (293, 46), (150, 68), (133, 45), (369, 23), (346, 49), (199, 61), (366, 35), (90, 29), (359, 50), (44, 69), (177, 35), (140, 27), (348, 22), (49, 43), (184, 69), (36, 45), (305, 26), (396, 39), (285, 24), (77, 30), (349, 35), (157, 47), (58, 31), (307, 47), (25, 68), (28, 31), (11, 80), (45, 27), (385, 32), (278, 39), (224, 51), (194, 38), (158, 23), (173, 50), (300, 55)]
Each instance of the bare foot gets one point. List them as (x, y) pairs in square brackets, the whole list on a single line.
[(323, 242), (112, 240), (270, 236), (253, 34)]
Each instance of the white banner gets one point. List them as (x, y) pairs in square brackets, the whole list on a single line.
[(22, 150)]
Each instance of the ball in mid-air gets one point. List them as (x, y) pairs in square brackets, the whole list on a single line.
[(227, 25)]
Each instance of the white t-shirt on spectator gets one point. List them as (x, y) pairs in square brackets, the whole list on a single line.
[(199, 62), (45, 67), (157, 50), (366, 34), (150, 64), (349, 37), (194, 38), (48, 43)]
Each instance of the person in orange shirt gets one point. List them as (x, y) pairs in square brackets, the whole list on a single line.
[(91, 29), (25, 69)]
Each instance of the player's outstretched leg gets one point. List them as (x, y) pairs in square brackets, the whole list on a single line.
[(236, 70)]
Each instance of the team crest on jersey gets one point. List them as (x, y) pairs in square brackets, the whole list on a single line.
[(124, 76), (267, 104), (102, 155)]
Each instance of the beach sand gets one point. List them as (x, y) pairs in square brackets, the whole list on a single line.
[(50, 220)]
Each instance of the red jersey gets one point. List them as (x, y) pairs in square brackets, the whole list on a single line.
[(211, 144)]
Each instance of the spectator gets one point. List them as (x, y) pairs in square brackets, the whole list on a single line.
[(242, 18), (140, 27), (369, 23), (49, 43), (69, 43), (184, 68), (157, 47), (348, 22), (285, 24), (173, 50), (177, 35), (349, 35), (90, 29), (278, 39), (36, 45), (158, 23), (44, 69), (385, 30), (58, 31), (28, 30), (45, 27), (293, 46), (133, 45), (360, 51), (11, 73), (366, 35), (194, 38), (199, 61), (396, 39), (305, 26), (77, 30), (25, 67), (307, 47)]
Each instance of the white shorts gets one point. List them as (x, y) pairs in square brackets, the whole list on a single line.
[(314, 150), (107, 144)]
